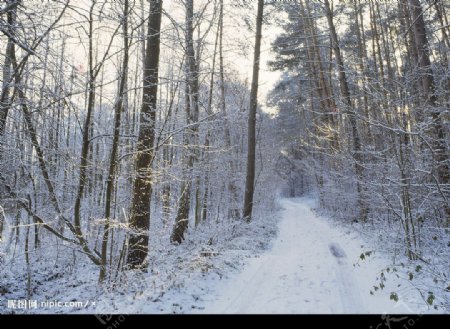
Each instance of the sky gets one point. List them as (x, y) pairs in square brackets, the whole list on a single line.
[(239, 41)]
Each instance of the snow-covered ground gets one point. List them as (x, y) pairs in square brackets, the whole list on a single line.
[(312, 268), (312, 265)]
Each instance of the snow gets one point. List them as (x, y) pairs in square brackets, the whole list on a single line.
[(312, 265), (309, 270)]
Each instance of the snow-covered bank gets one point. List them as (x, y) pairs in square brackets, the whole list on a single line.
[(180, 278)]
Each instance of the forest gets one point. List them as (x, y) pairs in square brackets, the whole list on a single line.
[(146, 145)]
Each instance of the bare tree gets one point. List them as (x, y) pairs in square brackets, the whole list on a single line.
[(345, 91), (251, 140), (118, 109), (191, 133), (440, 152), (140, 207)]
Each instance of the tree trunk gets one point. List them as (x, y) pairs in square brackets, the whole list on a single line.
[(251, 139), (5, 103), (140, 207), (438, 135), (191, 133), (7, 79), (233, 210), (357, 149), (87, 125), (118, 109)]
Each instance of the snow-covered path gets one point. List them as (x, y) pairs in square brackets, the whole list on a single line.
[(308, 270)]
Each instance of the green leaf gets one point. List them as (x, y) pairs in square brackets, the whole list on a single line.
[(418, 268), (430, 298), (394, 297), (362, 256), (411, 276)]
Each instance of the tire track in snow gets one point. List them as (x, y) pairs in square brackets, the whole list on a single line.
[(350, 296)]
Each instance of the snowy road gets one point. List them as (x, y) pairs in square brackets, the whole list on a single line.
[(308, 270)]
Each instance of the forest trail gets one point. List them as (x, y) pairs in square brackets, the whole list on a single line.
[(306, 271)]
